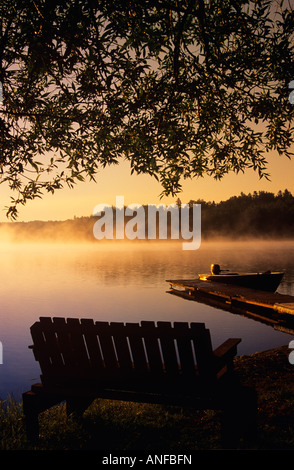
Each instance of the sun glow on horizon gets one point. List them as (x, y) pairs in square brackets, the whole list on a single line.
[(143, 189)]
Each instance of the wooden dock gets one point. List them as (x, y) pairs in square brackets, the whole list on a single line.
[(269, 307)]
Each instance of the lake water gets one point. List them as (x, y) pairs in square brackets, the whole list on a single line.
[(117, 282)]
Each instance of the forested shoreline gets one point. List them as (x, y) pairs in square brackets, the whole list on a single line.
[(261, 214), (257, 215)]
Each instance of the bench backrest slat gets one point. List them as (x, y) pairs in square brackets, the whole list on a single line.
[(137, 347), (78, 344), (70, 356), (169, 351), (203, 351), (86, 349), (45, 345), (106, 344), (154, 354), (96, 362), (122, 348), (184, 346)]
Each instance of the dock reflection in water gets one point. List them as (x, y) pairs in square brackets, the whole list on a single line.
[(271, 308)]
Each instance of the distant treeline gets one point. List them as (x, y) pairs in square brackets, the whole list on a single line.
[(261, 214)]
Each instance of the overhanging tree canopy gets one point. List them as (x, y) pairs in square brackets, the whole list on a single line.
[(179, 88)]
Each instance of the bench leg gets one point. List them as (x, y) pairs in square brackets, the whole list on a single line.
[(32, 427), (240, 418), (33, 404), (31, 414), (249, 414)]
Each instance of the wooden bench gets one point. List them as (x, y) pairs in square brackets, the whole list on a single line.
[(81, 360)]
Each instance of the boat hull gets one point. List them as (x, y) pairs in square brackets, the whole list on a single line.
[(260, 281)]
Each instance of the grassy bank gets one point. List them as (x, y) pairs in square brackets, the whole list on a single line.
[(108, 425)]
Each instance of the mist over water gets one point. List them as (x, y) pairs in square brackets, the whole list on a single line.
[(117, 281)]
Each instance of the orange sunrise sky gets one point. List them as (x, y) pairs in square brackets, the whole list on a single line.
[(117, 181)]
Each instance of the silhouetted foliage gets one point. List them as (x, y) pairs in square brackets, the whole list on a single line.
[(178, 88)]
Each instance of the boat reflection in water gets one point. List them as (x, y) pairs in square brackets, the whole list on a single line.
[(266, 281)]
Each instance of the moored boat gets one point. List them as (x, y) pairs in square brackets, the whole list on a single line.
[(266, 281)]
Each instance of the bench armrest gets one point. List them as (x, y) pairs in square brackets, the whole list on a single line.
[(226, 352), (228, 349)]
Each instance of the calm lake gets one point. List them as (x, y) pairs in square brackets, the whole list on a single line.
[(123, 282)]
